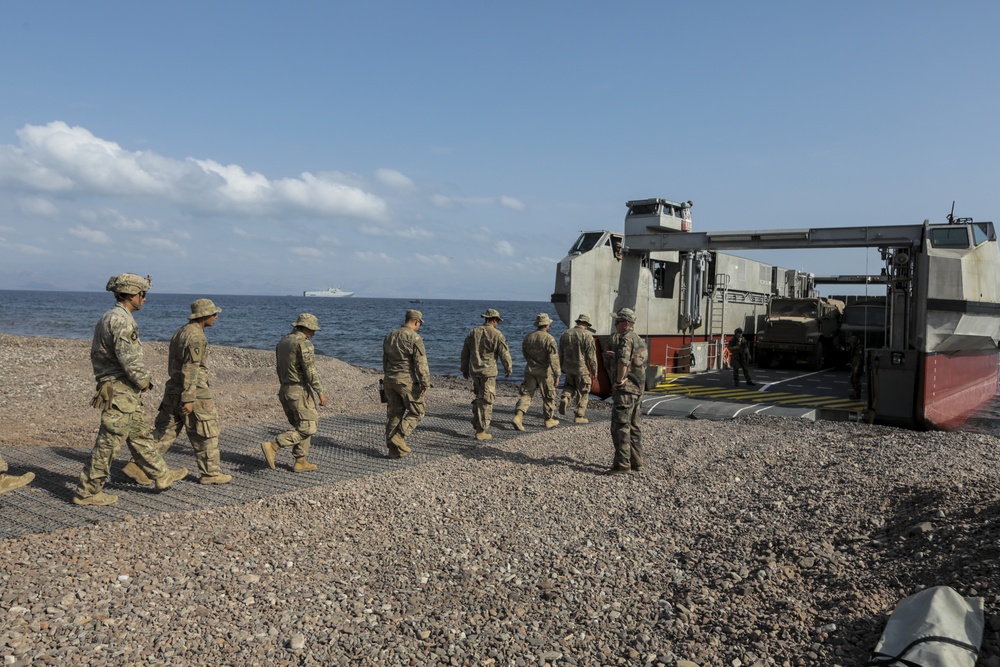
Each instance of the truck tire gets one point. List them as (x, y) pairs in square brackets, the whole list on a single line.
[(818, 361)]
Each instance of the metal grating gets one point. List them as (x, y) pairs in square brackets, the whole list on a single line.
[(344, 448)]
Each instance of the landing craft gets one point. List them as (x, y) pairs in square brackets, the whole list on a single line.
[(942, 283)]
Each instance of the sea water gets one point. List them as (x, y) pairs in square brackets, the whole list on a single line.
[(352, 328)]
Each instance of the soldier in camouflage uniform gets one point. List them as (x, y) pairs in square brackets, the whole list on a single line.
[(12, 482), (483, 346), (187, 399), (857, 365), (627, 359), (296, 366), (739, 357), (541, 372), (578, 360), (407, 379), (116, 355)]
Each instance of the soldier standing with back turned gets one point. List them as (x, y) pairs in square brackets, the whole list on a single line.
[(578, 359), (483, 346), (296, 365), (627, 359), (122, 378), (541, 372), (407, 379)]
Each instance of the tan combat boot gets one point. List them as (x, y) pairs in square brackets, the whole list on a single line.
[(581, 420), (563, 404), (483, 435), (397, 439), (168, 480), (302, 465), (219, 478), (133, 471), (549, 423), (270, 449), (11, 482), (517, 420), (99, 499)]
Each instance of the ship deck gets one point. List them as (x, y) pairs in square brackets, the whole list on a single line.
[(814, 395)]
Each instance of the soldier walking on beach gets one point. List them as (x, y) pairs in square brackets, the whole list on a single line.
[(300, 385), (406, 381), (578, 360), (739, 357), (541, 372), (187, 399), (12, 482), (627, 358), (122, 378), (483, 347)]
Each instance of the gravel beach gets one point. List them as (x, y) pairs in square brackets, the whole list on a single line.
[(750, 542)]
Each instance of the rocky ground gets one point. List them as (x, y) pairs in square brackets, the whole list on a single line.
[(750, 542)]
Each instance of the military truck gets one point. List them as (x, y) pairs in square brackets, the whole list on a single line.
[(864, 317), (800, 330)]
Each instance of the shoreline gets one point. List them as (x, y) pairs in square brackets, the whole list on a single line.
[(755, 541)]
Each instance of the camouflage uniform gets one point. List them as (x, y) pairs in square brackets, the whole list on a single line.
[(483, 346), (857, 365), (120, 371), (187, 364), (629, 349), (296, 366), (739, 357), (541, 371), (578, 360), (407, 378)]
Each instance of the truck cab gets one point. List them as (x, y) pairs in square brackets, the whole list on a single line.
[(800, 330)]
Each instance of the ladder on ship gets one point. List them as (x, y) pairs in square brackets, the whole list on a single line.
[(717, 315)]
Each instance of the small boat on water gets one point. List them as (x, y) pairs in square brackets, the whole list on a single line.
[(335, 292), (416, 301)]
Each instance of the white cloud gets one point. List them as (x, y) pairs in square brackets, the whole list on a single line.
[(90, 235), (330, 240), (163, 244), (371, 230), (443, 202), (513, 204), (504, 249), (57, 158), (369, 256), (38, 206), (415, 233), (303, 251), (433, 259), (119, 220), (395, 179)]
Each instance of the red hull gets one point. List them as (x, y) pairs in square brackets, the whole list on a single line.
[(956, 385)]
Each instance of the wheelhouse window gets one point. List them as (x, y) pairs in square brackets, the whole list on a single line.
[(950, 237), (981, 232), (586, 242)]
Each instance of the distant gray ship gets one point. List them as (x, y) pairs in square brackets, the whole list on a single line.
[(329, 291)]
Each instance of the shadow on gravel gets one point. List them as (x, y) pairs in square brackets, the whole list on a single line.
[(487, 452)]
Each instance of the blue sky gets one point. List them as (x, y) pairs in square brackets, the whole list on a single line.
[(456, 149)]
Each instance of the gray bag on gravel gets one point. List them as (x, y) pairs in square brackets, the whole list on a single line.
[(936, 627)]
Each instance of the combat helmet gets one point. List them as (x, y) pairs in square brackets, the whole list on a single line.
[(626, 314), (203, 308), (307, 320), (129, 283)]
